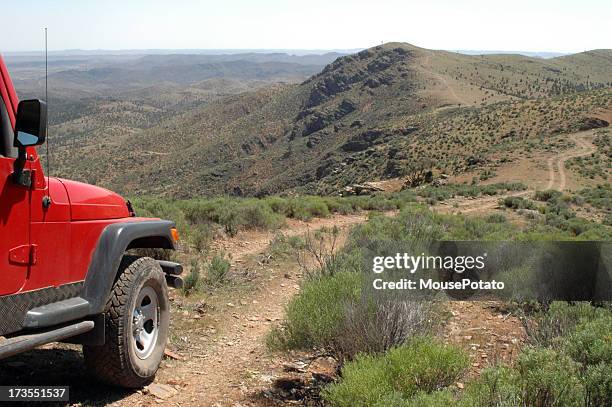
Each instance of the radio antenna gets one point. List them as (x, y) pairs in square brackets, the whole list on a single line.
[(47, 199)]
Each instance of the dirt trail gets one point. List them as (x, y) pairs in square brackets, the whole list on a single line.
[(253, 242), (224, 366), (489, 335), (583, 148), (556, 179), (442, 78)]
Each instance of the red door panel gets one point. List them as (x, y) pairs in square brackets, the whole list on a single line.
[(14, 231)]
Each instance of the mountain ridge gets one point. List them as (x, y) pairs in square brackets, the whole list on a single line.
[(316, 136)]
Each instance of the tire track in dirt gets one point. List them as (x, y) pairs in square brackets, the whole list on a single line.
[(556, 169), (584, 149), (427, 68)]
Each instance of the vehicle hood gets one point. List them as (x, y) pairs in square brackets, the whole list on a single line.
[(88, 202)]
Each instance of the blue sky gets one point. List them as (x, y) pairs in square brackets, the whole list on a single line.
[(562, 26)]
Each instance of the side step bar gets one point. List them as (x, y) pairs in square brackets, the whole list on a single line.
[(18, 344), (56, 313)]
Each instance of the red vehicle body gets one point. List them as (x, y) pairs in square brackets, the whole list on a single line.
[(62, 244)]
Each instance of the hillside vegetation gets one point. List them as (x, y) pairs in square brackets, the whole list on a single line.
[(371, 115)]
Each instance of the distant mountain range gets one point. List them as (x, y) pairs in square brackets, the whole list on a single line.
[(296, 52), (535, 54)]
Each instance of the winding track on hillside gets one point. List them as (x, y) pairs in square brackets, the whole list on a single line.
[(557, 177), (583, 148), (428, 69)]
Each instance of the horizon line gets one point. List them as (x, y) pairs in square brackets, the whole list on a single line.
[(281, 50)]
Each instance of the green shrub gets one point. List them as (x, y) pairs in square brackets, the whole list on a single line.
[(496, 386), (376, 323), (341, 205), (545, 328), (201, 237), (541, 377), (314, 315), (517, 202), (277, 204), (547, 195), (256, 214), (217, 271), (444, 192), (591, 341), (597, 381), (281, 245), (418, 369), (440, 398), (367, 381), (425, 365), (192, 281), (496, 218), (575, 369), (393, 399), (548, 378), (598, 197)]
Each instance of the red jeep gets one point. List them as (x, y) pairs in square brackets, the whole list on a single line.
[(64, 271)]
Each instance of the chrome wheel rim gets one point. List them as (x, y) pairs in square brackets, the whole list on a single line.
[(145, 322)]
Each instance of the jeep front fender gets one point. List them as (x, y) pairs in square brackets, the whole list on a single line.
[(114, 241)]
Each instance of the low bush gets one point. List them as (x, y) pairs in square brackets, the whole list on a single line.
[(418, 369), (581, 332), (282, 246), (517, 202), (217, 271), (599, 197), (590, 342), (375, 324), (545, 328), (547, 195), (314, 315), (496, 386), (597, 381), (201, 236), (439, 398), (496, 218), (540, 377), (192, 281), (441, 193), (548, 378)]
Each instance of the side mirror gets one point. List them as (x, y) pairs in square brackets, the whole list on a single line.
[(31, 124)]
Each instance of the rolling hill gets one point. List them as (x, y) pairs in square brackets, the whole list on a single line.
[(365, 116)]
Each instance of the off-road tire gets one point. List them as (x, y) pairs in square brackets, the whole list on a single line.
[(117, 362)]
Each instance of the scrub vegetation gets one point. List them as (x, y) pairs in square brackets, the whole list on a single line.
[(391, 354), (195, 217)]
